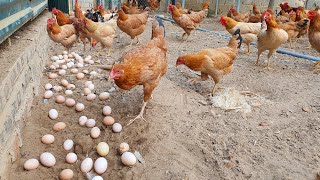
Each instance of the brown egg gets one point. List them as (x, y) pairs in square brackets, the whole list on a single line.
[(60, 99), (70, 102), (59, 126), (108, 120)]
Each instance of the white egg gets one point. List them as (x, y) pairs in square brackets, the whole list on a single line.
[(85, 71), (86, 165), (60, 99), (74, 71), (100, 165), (90, 123), (70, 56), (116, 127), (68, 144), (68, 92), (79, 107), (64, 82), (47, 159), (91, 62), (65, 56), (95, 132), (53, 114), (91, 97), (70, 102), (93, 73), (31, 164), (123, 147), (64, 67), (108, 120), (91, 87), (80, 76), (86, 60), (104, 96), (79, 65), (89, 57), (73, 53), (86, 91), (69, 65), (52, 75), (56, 64), (83, 120), (54, 58), (48, 94), (72, 63), (48, 86), (128, 159), (66, 174), (106, 110), (71, 158), (97, 178), (61, 61), (64, 52), (102, 149), (59, 126), (87, 83), (57, 88), (52, 67), (62, 72), (47, 139), (71, 86), (60, 56)]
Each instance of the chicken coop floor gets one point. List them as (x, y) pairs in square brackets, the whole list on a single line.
[(184, 136)]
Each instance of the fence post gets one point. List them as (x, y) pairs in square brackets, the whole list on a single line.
[(238, 5), (217, 7), (183, 3)]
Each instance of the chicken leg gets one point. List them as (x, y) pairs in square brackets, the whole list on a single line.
[(258, 59), (269, 57), (140, 116)]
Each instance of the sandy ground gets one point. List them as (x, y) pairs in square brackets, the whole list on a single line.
[(184, 135)]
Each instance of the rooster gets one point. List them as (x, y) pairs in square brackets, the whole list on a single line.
[(66, 34), (294, 29), (188, 22), (314, 33), (249, 31), (62, 19), (143, 65), (213, 62), (270, 37)]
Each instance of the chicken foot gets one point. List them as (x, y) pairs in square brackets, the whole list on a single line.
[(140, 116)]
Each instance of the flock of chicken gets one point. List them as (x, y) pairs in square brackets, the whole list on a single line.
[(146, 64)]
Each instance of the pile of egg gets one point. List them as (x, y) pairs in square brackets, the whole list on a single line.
[(75, 63)]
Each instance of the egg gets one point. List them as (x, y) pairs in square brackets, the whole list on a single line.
[(52, 76), (64, 67), (116, 127), (123, 147), (79, 107), (100, 165), (47, 159), (102, 149), (31, 164), (128, 159), (71, 86), (65, 57), (66, 174), (48, 86), (74, 71), (57, 88), (91, 97), (86, 165), (60, 56), (97, 178), (87, 83), (83, 120), (80, 65), (60, 99), (64, 83), (61, 61), (68, 144), (90, 123), (91, 62), (54, 58), (68, 92), (95, 132), (52, 67), (70, 102), (59, 126), (86, 91), (91, 87), (70, 56), (108, 120), (48, 94), (69, 65), (62, 72), (104, 96), (71, 158), (47, 139), (56, 64), (93, 73), (53, 114), (80, 76), (106, 110), (85, 71), (64, 52), (89, 57)]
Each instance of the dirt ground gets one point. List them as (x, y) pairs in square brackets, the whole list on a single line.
[(184, 135)]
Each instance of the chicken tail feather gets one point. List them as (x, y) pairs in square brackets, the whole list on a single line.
[(237, 32)]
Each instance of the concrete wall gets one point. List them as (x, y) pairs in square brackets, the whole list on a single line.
[(17, 89)]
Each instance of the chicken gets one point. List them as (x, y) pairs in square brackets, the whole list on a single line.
[(66, 34), (240, 17), (255, 19), (62, 19), (300, 17), (255, 10), (294, 28), (132, 24), (249, 31), (154, 4), (181, 9), (288, 8), (213, 62), (100, 31), (270, 37), (106, 14), (131, 10), (314, 33), (143, 65), (230, 12), (188, 22)]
